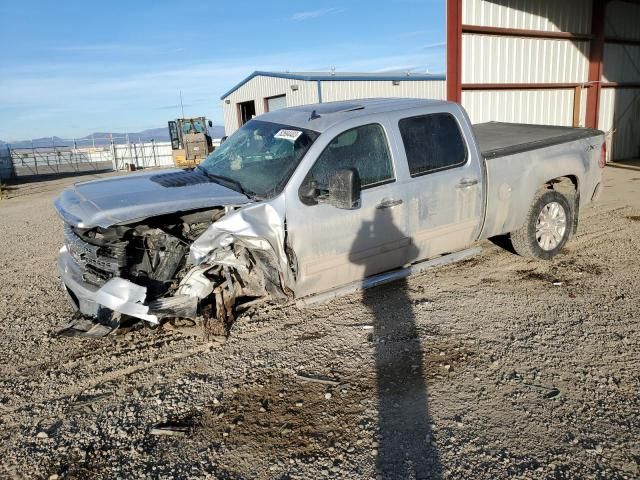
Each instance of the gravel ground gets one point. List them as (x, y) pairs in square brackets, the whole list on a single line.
[(499, 367)]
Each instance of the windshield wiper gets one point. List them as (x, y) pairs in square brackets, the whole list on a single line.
[(221, 179)]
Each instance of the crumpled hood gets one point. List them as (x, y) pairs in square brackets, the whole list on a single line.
[(134, 197)]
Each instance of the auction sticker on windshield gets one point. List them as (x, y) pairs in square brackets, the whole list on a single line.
[(291, 135)]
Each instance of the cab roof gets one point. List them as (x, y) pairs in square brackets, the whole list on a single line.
[(322, 116)]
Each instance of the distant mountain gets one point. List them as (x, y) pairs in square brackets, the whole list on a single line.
[(104, 138)]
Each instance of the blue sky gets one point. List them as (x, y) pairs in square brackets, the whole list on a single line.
[(72, 68)]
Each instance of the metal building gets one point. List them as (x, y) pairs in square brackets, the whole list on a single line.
[(261, 92), (569, 62)]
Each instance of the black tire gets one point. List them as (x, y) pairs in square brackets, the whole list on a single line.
[(524, 239)]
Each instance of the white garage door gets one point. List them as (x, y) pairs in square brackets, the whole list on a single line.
[(276, 103)]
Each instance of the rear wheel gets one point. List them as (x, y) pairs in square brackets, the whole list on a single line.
[(547, 228)]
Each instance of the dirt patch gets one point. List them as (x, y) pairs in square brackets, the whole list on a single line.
[(310, 336), (275, 417), (579, 266), (444, 360), (488, 280), (538, 276), (567, 271)]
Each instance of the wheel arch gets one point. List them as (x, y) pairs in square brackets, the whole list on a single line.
[(568, 185)]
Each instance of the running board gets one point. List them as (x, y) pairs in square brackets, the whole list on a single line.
[(387, 277)]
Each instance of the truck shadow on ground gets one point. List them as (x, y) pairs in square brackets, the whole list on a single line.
[(406, 446)]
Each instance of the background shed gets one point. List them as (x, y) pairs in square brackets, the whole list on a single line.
[(261, 92)]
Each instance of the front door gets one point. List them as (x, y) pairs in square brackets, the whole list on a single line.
[(335, 246)]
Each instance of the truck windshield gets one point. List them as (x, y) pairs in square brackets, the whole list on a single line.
[(259, 157)]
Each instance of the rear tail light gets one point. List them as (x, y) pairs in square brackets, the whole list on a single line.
[(603, 155)]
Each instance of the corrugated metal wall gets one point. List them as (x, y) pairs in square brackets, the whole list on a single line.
[(521, 106), (621, 62), (620, 116), (528, 60), (259, 88), (620, 107), (502, 59), (623, 20), (346, 90), (546, 15)]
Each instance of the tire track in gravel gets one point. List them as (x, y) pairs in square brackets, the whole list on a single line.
[(114, 375), (86, 354), (137, 364)]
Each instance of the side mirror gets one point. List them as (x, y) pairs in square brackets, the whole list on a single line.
[(210, 123), (309, 192), (344, 189)]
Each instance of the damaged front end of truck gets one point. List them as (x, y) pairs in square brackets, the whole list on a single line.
[(199, 244), (204, 265)]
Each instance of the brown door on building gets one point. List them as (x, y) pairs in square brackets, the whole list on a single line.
[(246, 111)]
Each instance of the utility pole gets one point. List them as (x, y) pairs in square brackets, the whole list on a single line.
[(153, 149), (113, 153), (33, 152)]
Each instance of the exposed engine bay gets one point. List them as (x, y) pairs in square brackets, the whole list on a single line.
[(147, 270)]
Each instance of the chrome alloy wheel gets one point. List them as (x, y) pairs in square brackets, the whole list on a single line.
[(551, 226)]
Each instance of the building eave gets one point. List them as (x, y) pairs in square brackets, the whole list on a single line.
[(327, 77)]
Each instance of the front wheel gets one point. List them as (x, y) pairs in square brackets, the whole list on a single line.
[(547, 227)]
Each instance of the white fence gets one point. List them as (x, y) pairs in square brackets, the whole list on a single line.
[(6, 166), (142, 155), (36, 162)]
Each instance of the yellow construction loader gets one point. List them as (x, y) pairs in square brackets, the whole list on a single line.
[(190, 141)]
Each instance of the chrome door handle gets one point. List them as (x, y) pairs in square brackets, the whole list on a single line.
[(467, 182), (388, 203)]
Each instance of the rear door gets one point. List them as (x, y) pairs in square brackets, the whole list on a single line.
[(444, 187)]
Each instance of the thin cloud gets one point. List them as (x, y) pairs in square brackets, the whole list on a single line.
[(435, 45), (300, 16), (97, 47), (400, 69), (415, 33), (177, 106)]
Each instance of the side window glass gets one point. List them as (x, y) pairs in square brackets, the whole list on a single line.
[(432, 142), (364, 148)]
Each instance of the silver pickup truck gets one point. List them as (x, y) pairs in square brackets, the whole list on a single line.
[(311, 201)]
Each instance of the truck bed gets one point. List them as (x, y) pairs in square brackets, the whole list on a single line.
[(499, 139)]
